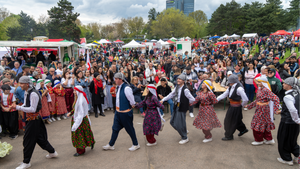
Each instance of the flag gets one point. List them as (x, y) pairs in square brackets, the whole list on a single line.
[(88, 62)]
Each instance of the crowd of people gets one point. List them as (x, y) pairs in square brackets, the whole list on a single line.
[(155, 79)]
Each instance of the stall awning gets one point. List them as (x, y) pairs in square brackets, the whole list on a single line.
[(35, 44)]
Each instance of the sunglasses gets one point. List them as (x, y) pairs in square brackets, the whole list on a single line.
[(270, 72)]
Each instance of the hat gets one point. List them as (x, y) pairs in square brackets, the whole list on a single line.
[(141, 75), (292, 81), (5, 87), (47, 81), (233, 79), (96, 74), (208, 85), (24, 67), (182, 77), (229, 73), (119, 76), (25, 79), (273, 70), (56, 82), (34, 73), (276, 58), (5, 80), (7, 67), (270, 58)]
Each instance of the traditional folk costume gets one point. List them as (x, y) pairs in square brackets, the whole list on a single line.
[(96, 88), (60, 102), (124, 115), (182, 98), (152, 121), (82, 135), (44, 112), (207, 118), (10, 118), (262, 123), (35, 131), (288, 130), (238, 98), (69, 95), (51, 104)]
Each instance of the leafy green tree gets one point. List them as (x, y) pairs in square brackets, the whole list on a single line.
[(135, 26), (293, 13), (62, 23), (172, 22), (11, 21)]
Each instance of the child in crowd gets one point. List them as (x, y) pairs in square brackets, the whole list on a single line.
[(44, 112), (60, 102), (113, 93), (9, 116), (51, 104)]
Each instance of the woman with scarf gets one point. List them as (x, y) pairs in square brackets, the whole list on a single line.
[(82, 135), (60, 102), (152, 122), (96, 88), (51, 104), (44, 112), (110, 79), (207, 118), (266, 104)]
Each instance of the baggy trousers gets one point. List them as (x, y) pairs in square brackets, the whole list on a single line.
[(123, 120), (233, 121), (178, 122), (35, 133), (287, 140)]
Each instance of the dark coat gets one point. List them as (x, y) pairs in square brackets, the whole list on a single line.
[(96, 98), (136, 93)]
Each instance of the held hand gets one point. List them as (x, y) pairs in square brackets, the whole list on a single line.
[(69, 114), (133, 106), (278, 112), (161, 102), (5, 109), (13, 106), (246, 106)]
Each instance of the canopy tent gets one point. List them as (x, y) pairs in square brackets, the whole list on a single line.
[(250, 35), (297, 32), (153, 40), (82, 41), (234, 36), (118, 41), (165, 39), (281, 32), (35, 44), (4, 51), (54, 40), (173, 38), (160, 41), (103, 41), (238, 42), (37, 49), (225, 36), (222, 43), (171, 42), (188, 38), (90, 44), (133, 44), (214, 37)]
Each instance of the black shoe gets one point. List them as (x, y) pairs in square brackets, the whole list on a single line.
[(227, 138), (96, 116), (243, 132), (102, 114), (2, 134), (77, 154), (92, 147)]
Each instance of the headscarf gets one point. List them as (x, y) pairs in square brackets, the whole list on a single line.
[(293, 82), (208, 85), (56, 82), (233, 78), (97, 83), (38, 84), (81, 108), (152, 89), (263, 79)]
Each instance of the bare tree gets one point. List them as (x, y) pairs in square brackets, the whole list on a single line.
[(43, 19), (4, 12)]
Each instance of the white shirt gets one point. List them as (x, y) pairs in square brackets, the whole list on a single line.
[(34, 100), (290, 104), (149, 72), (187, 94), (240, 91), (69, 84), (59, 72), (5, 96), (128, 93)]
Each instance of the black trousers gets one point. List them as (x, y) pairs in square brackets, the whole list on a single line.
[(10, 122), (96, 106), (233, 121), (114, 103), (287, 140), (35, 133)]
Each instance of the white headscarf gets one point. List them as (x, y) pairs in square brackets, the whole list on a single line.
[(208, 85), (38, 87), (152, 89), (81, 108), (263, 79)]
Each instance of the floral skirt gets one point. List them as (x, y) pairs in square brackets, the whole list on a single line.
[(52, 103), (83, 137), (261, 121), (60, 105), (44, 112), (207, 119)]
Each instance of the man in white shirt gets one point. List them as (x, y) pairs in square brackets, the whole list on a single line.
[(234, 116), (182, 99), (124, 114), (59, 70), (35, 131), (288, 130), (150, 73)]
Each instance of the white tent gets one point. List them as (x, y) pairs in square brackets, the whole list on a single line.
[(225, 36), (153, 40), (188, 38), (160, 41), (173, 38), (133, 44), (250, 35), (90, 44), (104, 41), (4, 51), (234, 36)]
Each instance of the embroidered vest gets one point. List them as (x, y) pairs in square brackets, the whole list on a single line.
[(9, 101), (123, 101)]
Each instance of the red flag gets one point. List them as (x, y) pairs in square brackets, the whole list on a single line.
[(88, 62)]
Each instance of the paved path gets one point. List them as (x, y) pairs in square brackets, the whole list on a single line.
[(239, 153)]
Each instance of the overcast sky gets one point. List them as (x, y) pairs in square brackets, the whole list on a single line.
[(110, 11)]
